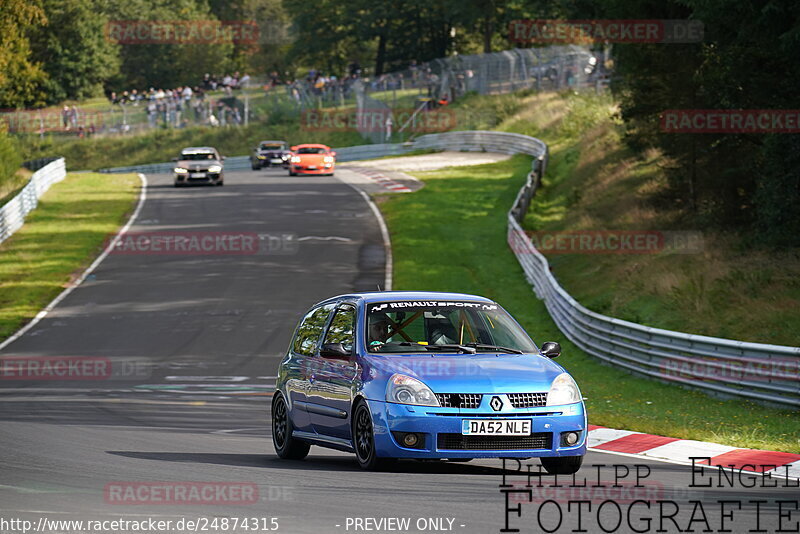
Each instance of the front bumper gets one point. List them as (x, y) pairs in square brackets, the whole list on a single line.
[(441, 428), (198, 178), (322, 169), (270, 161)]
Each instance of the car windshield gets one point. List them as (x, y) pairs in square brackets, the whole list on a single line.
[(311, 150), (197, 156), (466, 327), (271, 146)]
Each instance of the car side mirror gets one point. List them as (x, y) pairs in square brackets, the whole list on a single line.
[(222, 158), (333, 154), (293, 148), (334, 351), (550, 349)]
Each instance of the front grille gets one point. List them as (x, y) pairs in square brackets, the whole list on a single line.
[(458, 442), (527, 400), (459, 400)]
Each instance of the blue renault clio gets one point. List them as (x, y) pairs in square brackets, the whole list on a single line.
[(390, 375)]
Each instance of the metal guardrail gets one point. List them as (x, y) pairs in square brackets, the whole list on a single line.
[(13, 213), (758, 371)]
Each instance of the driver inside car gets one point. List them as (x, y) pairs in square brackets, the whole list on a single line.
[(378, 331)]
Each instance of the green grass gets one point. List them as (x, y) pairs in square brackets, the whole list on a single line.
[(59, 239), (451, 236)]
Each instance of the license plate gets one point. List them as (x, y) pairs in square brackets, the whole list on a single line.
[(276, 160), (496, 427), (198, 175), (312, 168)]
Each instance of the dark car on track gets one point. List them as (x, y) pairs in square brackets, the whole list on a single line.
[(270, 154), (199, 165)]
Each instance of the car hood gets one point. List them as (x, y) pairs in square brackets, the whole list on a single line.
[(312, 159), (194, 164), (469, 373)]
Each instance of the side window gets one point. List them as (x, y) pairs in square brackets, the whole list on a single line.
[(310, 330), (342, 328)]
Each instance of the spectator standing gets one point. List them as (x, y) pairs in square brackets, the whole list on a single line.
[(74, 117), (152, 109), (65, 113), (178, 108)]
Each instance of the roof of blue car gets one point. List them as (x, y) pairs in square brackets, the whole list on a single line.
[(380, 296)]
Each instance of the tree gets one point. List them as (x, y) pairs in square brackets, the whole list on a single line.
[(269, 51), (20, 75), (166, 64), (73, 50)]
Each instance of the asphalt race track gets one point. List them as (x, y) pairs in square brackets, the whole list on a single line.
[(193, 341)]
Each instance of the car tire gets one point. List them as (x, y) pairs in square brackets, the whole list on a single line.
[(364, 440), (565, 465), (292, 173), (287, 447)]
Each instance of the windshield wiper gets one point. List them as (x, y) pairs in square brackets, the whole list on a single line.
[(463, 348), (493, 347)]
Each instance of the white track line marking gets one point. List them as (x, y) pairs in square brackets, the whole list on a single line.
[(387, 242), (61, 296)]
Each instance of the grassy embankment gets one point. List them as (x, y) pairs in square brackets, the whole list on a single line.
[(450, 236)]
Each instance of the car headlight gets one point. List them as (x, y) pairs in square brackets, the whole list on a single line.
[(284, 156), (295, 159), (403, 389), (328, 159), (215, 168), (179, 170), (563, 390)]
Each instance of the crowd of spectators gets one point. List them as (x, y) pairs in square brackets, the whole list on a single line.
[(183, 105)]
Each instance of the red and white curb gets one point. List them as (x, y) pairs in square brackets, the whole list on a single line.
[(779, 464), (381, 179)]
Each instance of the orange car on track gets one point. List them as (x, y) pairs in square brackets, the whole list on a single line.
[(312, 159)]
